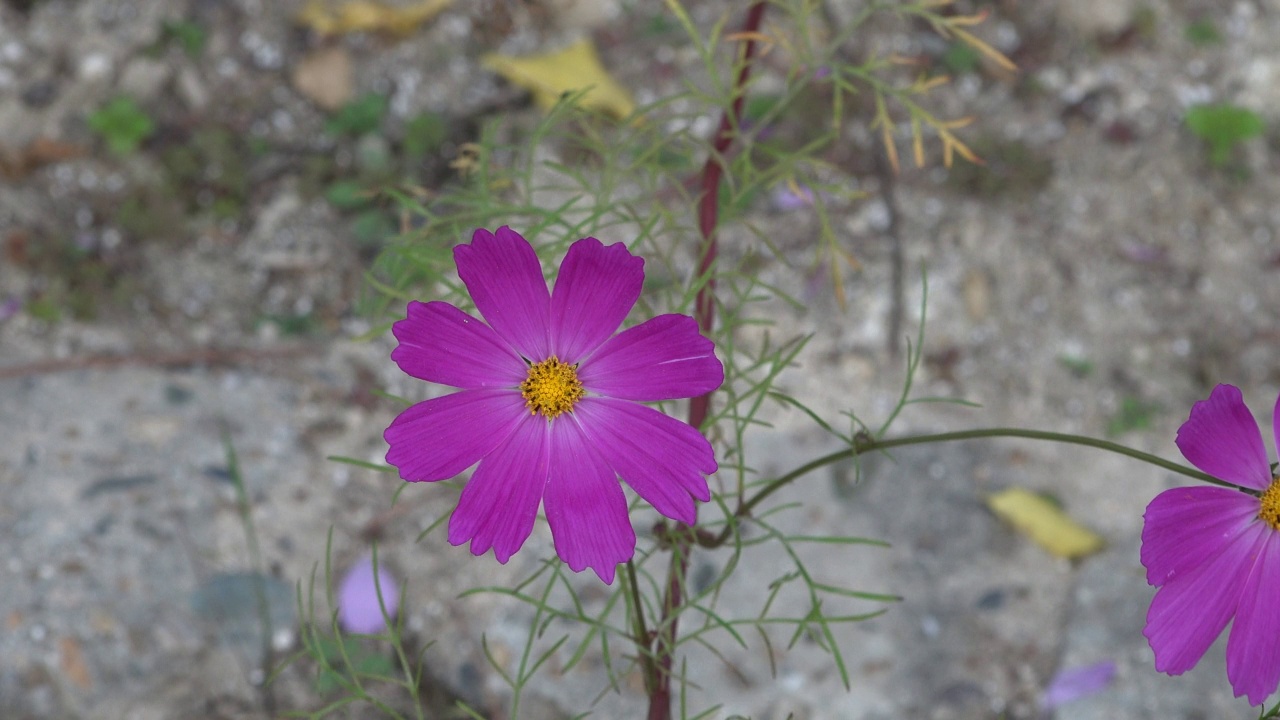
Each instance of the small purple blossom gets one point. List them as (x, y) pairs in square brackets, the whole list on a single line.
[(10, 307), (358, 608), (1076, 683), (548, 402), (788, 198), (1214, 552)]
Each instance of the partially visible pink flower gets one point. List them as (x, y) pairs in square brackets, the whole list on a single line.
[(1214, 552), (549, 401), (358, 607)]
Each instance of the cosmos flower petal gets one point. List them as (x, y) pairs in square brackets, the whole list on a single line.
[(439, 438), (661, 458), (1186, 526), (358, 608), (1222, 438), (1189, 613), (1253, 649), (659, 359), (439, 343), (504, 277), (596, 289), (585, 505), (500, 502)]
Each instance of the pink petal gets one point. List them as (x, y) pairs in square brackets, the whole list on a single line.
[(440, 343), (1184, 527), (661, 458), (585, 505), (1188, 614), (1253, 649), (358, 608), (597, 287), (1222, 438), (660, 359), (505, 280), (439, 438), (1077, 682), (500, 501)]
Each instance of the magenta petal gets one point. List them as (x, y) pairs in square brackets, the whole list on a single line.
[(439, 438), (1253, 649), (1189, 613), (660, 359), (440, 343), (358, 607), (1222, 438), (597, 287), (500, 501), (661, 458), (585, 505), (505, 280), (1184, 527)]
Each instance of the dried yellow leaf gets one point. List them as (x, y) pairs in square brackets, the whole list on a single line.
[(1043, 522), (574, 68), (368, 16)]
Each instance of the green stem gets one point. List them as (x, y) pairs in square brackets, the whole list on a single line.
[(641, 630), (862, 446)]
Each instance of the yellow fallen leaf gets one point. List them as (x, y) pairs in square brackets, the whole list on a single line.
[(550, 76), (1044, 523), (368, 16)]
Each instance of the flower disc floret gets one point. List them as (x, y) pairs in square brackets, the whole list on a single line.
[(548, 408), (552, 388), (1270, 502)]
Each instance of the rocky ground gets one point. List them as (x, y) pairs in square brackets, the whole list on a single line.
[(197, 290)]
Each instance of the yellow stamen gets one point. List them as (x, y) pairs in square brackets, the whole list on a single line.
[(1270, 510), (552, 388)]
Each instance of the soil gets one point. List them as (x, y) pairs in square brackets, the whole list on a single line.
[(199, 290)]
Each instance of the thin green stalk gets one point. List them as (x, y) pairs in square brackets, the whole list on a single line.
[(864, 445), (255, 558)]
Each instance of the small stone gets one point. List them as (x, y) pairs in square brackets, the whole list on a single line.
[(143, 78), (324, 77), (1096, 18), (40, 94), (191, 89), (94, 66)]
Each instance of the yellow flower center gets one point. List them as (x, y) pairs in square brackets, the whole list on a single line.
[(552, 388), (1270, 510)]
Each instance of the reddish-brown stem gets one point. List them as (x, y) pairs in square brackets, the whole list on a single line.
[(663, 648)]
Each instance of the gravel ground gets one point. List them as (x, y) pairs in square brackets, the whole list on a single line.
[(1099, 275)]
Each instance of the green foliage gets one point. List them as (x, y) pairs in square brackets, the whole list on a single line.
[(122, 125), (347, 195), (360, 116), (1076, 365), (188, 35), (357, 656), (961, 59), (1203, 32), (1222, 127), (424, 134), (1134, 414)]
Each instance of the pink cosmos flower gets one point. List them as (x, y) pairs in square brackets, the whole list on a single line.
[(1214, 552), (548, 401)]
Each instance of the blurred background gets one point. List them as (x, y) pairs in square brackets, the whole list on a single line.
[(192, 193)]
